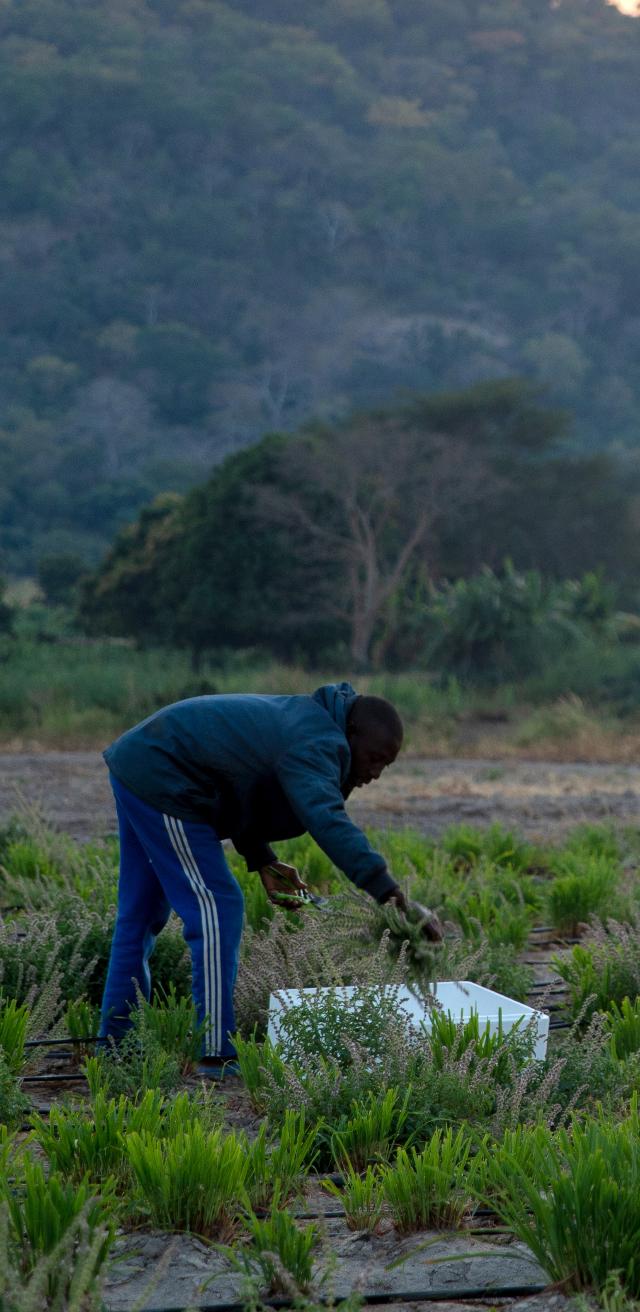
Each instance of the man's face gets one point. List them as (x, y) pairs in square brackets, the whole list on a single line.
[(371, 752)]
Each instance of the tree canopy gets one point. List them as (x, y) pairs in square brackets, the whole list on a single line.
[(219, 219), (332, 537)]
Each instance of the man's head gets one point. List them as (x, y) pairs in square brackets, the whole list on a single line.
[(374, 732)]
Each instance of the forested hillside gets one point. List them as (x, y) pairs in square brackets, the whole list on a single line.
[(221, 219)]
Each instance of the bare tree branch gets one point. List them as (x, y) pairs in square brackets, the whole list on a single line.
[(362, 505)]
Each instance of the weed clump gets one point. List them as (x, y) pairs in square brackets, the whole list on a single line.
[(371, 1131), (280, 1165), (623, 1026), (585, 887), (14, 1023), (132, 1067)]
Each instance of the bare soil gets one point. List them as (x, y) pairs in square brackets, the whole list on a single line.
[(540, 799)]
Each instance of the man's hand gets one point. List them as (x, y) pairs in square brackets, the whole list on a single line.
[(429, 923), (397, 899), (281, 883)]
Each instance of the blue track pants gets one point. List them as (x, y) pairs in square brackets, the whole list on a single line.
[(169, 863)]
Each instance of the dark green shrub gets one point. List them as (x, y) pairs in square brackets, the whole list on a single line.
[(491, 627), (330, 1022)]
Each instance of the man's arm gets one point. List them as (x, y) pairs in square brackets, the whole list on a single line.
[(256, 852), (261, 857), (310, 777)]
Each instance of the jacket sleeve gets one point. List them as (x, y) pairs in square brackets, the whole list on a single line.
[(310, 778), (255, 851)]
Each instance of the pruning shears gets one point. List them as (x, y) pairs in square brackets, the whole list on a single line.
[(297, 897)]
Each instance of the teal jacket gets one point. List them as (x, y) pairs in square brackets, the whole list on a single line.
[(257, 769)]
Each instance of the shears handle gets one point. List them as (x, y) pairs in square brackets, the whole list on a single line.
[(297, 897)]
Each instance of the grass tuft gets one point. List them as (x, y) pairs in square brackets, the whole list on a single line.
[(361, 1196), (429, 1190), (193, 1182), (573, 1197)]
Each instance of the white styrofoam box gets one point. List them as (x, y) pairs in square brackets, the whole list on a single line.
[(459, 998)]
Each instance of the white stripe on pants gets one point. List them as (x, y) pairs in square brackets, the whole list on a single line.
[(212, 968)]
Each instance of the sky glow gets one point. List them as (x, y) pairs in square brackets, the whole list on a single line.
[(626, 6)]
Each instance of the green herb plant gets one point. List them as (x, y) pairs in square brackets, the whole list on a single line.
[(279, 1250), (373, 1129), (44, 1209), (280, 1165), (14, 1025), (429, 1189), (573, 1197), (362, 1197), (194, 1181), (329, 1021)]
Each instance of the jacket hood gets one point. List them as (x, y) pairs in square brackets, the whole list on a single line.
[(337, 699)]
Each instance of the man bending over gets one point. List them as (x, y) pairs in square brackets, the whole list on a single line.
[(254, 769)]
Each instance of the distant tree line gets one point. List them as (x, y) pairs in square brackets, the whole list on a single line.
[(219, 219), (356, 538)]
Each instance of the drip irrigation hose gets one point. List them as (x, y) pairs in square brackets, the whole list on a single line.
[(47, 1078), (340, 1216), (397, 1296), (51, 1043)]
